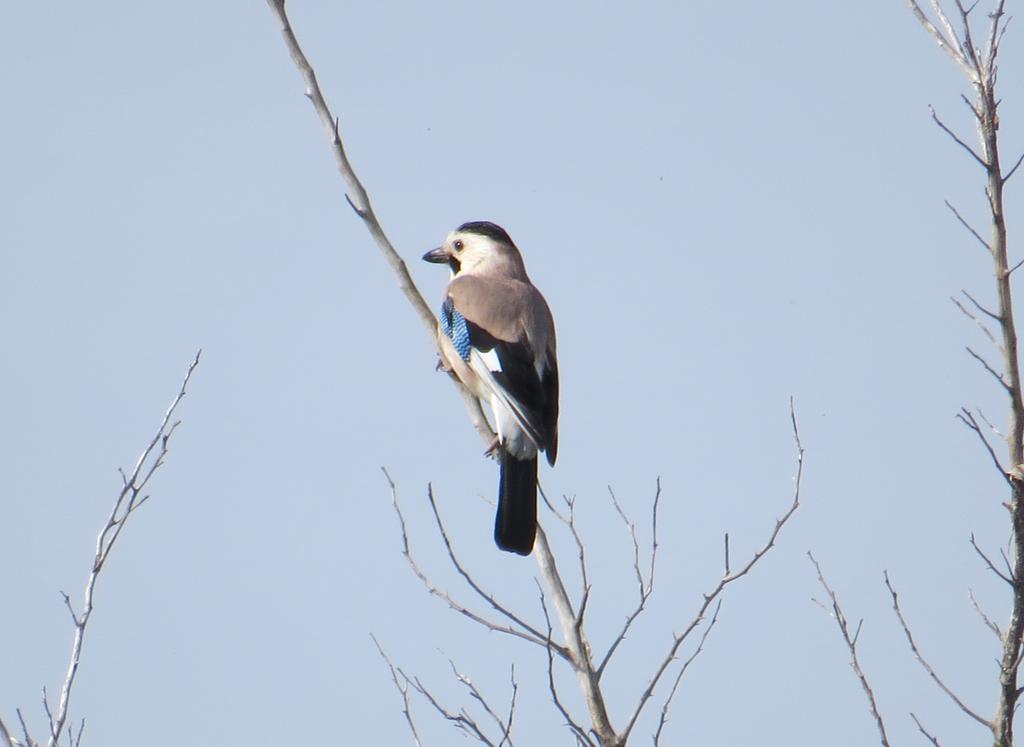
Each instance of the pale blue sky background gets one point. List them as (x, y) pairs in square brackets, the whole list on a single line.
[(725, 205)]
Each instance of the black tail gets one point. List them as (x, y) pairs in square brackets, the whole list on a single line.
[(516, 523)]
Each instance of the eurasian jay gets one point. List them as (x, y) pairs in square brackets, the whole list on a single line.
[(501, 328)]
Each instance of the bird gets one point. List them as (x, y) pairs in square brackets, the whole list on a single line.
[(503, 337)]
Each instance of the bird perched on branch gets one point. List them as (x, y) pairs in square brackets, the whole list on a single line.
[(503, 336)]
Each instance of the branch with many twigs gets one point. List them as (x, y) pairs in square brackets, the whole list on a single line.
[(728, 577), (575, 649), (979, 63), (130, 498), (461, 719)]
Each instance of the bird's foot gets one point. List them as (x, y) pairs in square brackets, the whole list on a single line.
[(442, 366), (492, 450)]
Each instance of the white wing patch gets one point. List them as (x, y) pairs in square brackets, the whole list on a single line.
[(511, 424), (490, 359)]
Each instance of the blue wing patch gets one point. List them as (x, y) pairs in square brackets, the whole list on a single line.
[(453, 324)]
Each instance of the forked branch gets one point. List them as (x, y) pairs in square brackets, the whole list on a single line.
[(129, 499), (836, 611), (982, 71)]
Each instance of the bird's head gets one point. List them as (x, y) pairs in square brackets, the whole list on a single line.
[(480, 248)]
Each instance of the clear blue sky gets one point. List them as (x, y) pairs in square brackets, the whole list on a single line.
[(724, 205)]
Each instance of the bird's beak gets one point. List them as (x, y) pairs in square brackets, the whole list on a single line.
[(437, 256)]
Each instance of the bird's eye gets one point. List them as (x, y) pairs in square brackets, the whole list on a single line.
[(457, 244)]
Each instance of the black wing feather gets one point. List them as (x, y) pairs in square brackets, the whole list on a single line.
[(518, 376)]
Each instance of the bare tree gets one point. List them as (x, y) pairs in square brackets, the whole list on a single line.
[(977, 54), (495, 725), (130, 498)]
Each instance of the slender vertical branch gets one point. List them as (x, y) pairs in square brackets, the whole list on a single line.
[(982, 70), (836, 611), (576, 642), (360, 203), (131, 497)]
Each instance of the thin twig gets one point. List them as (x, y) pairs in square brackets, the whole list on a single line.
[(1014, 169), (403, 690), (995, 374), (723, 583), (990, 564), (360, 202), (924, 663), (839, 616), (924, 731), (476, 695), (981, 308), (947, 44), (985, 618), (981, 325), (957, 139), (506, 738), (975, 234), (527, 631), (29, 742), (520, 631), (644, 589), (663, 719), (967, 418)]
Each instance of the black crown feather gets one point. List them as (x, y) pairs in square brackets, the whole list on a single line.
[(486, 228)]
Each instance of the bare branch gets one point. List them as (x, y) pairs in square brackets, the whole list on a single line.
[(579, 653), (631, 528), (128, 500), (928, 736), (981, 325), (981, 308), (570, 522), (360, 202), (967, 418), (957, 140), (1011, 172), (851, 644), (995, 35), (989, 563), (663, 719), (506, 738), (529, 633), (476, 695), (403, 690), (29, 741), (974, 233), (967, 39), (985, 618), (927, 667), (461, 720), (948, 44), (985, 364), (724, 582), (644, 589), (519, 629), (582, 737), (654, 532)]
